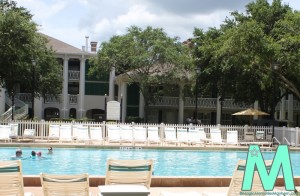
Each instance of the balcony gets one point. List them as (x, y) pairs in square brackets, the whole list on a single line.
[(74, 75)]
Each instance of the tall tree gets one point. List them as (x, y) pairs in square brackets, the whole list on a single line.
[(246, 49), (146, 57), (20, 43)]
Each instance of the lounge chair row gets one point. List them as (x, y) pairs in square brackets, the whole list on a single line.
[(128, 134), (119, 172), (121, 176)]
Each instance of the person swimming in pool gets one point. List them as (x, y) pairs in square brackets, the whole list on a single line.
[(50, 150), (18, 154), (33, 154)]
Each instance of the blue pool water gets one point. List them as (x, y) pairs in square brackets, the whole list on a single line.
[(166, 162)]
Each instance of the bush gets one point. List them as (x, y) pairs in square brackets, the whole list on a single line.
[(135, 119)]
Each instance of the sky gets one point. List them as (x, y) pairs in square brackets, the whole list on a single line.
[(72, 20)]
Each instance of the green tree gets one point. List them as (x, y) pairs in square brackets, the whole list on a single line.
[(146, 57), (244, 49), (20, 43)]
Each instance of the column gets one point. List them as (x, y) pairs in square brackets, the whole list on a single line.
[(180, 105), (38, 108), (142, 106), (65, 100), (81, 88), (290, 109), (112, 75), (2, 101), (218, 110)]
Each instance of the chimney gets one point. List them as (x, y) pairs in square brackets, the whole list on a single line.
[(94, 46), (86, 43)]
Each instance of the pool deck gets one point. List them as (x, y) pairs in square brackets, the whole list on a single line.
[(155, 191)]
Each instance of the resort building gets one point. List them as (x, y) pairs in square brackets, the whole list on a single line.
[(84, 96)]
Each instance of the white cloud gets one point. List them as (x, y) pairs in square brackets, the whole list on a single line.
[(71, 20), (43, 10)]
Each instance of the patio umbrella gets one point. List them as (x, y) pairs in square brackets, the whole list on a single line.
[(250, 112)]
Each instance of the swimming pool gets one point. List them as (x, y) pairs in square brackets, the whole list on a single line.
[(166, 162)]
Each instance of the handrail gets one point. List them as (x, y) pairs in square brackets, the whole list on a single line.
[(287, 141), (6, 115), (274, 138), (19, 113)]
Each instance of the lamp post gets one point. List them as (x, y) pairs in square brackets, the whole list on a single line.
[(12, 104), (105, 107), (197, 69), (273, 109), (121, 108), (33, 88), (221, 100)]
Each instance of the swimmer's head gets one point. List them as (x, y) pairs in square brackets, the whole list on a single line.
[(33, 153), (39, 154), (18, 153)]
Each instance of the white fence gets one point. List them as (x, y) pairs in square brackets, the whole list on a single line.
[(284, 135)]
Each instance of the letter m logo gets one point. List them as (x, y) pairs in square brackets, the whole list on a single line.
[(268, 174)]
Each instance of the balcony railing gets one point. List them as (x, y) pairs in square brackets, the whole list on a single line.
[(165, 101), (202, 102), (52, 99), (74, 75), (73, 99), (25, 97)]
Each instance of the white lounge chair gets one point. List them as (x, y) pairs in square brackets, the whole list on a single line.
[(140, 135), (14, 131), (260, 135), (170, 135), (133, 172), (126, 133), (113, 134), (65, 133), (28, 135), (237, 179), (182, 136), (196, 136), (53, 132), (232, 138), (81, 134), (96, 134), (153, 136), (4, 133), (65, 185), (215, 136), (11, 178)]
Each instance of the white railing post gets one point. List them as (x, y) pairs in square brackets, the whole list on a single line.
[(297, 137)]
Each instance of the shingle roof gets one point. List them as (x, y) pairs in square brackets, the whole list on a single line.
[(60, 46)]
